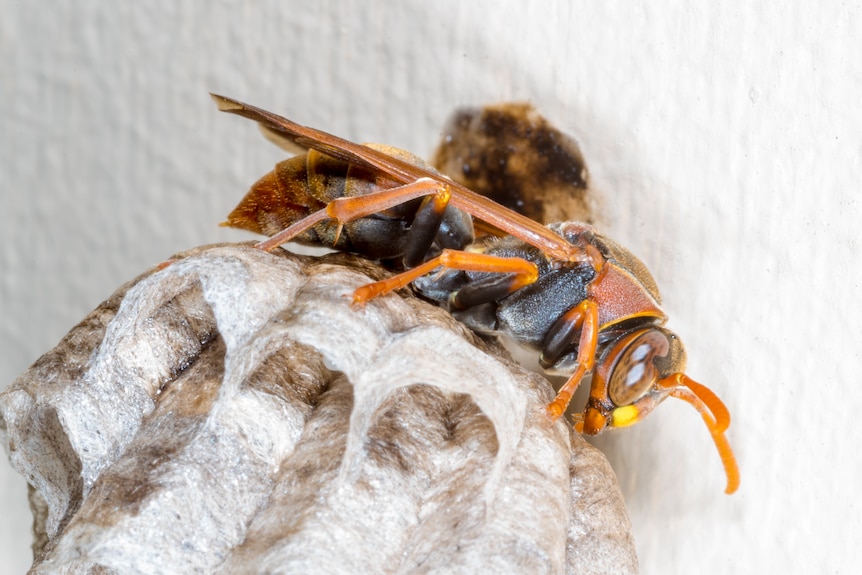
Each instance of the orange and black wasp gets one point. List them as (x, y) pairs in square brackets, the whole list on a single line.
[(583, 301)]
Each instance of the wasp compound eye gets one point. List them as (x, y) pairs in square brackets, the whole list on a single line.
[(634, 372)]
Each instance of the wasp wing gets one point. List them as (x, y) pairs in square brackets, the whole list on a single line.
[(279, 127), (463, 198), (281, 140)]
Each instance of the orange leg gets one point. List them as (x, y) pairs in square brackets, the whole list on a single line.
[(345, 210), (585, 314), (524, 272)]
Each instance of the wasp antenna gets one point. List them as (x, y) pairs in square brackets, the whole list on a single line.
[(725, 452), (711, 400)]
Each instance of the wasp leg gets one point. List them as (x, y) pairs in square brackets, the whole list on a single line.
[(425, 226), (344, 210), (584, 317), (484, 290), (521, 272)]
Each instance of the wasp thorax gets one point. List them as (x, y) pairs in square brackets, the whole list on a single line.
[(634, 371)]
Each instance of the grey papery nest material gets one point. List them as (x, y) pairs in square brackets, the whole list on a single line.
[(232, 413)]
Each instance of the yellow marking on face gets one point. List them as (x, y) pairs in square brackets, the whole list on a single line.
[(624, 416)]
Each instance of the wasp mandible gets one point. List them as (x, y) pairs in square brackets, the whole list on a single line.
[(584, 302)]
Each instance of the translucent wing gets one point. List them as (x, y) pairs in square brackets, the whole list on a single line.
[(476, 205)]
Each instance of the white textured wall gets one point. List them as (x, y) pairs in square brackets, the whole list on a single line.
[(725, 140)]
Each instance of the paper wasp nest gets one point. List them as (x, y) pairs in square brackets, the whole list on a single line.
[(232, 414)]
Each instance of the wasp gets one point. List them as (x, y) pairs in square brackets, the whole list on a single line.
[(585, 303)]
